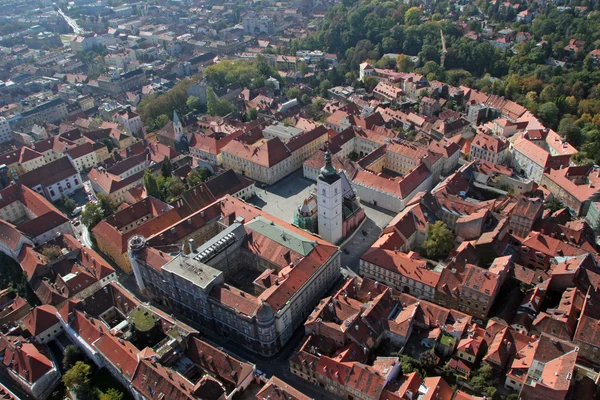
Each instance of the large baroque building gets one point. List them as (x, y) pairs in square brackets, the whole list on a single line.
[(254, 280)]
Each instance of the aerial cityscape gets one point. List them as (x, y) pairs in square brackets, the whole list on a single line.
[(300, 199)]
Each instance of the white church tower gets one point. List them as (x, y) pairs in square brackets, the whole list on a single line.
[(329, 189), (177, 127)]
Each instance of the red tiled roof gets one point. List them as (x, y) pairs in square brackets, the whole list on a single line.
[(27, 360), (408, 265), (267, 153), (121, 353), (276, 389), (40, 319)]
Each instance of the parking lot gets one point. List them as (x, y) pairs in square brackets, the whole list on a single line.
[(283, 198)]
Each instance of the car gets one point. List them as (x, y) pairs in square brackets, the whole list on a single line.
[(76, 222), (76, 211)]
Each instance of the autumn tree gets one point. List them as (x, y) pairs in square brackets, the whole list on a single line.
[(440, 240)]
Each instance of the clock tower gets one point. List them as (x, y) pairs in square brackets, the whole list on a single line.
[(329, 196)]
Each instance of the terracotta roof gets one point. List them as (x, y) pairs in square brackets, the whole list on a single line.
[(40, 319), (489, 143), (121, 353), (219, 364), (266, 153), (27, 360), (408, 265), (276, 389), (50, 173)]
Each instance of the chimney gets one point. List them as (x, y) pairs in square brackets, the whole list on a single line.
[(192, 246)]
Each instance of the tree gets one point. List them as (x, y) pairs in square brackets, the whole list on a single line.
[(192, 103), (428, 359), (77, 378), (151, 185), (548, 113), (305, 99), (52, 252), (174, 186), (252, 114), (569, 131), (303, 68), (107, 205), (292, 93), (166, 169), (13, 277), (111, 394), (66, 204), (440, 240), (554, 205), (161, 121), (197, 176), (211, 101), (413, 16), (91, 215), (483, 381), (404, 63), (408, 364), (287, 122), (71, 356)]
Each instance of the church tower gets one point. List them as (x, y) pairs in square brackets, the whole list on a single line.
[(329, 189), (177, 127)]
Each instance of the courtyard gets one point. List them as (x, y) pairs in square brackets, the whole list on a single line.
[(284, 197)]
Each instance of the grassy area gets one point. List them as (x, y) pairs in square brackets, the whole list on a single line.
[(143, 319), (447, 340)]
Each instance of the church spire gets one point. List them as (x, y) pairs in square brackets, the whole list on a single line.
[(328, 169)]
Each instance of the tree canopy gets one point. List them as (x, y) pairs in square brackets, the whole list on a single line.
[(440, 240)]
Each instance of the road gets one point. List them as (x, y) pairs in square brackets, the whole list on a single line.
[(71, 22)]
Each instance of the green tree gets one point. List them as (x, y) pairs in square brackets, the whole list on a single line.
[(65, 204), (413, 16), (107, 205), (569, 131), (554, 205), (292, 93), (77, 378), (303, 68), (252, 114), (192, 103), (440, 240), (166, 169), (408, 364), (197, 176), (483, 381), (111, 394), (91, 215), (13, 278), (211, 101), (548, 113), (404, 63), (71, 356), (151, 185), (305, 99), (161, 121), (174, 187), (110, 145)]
